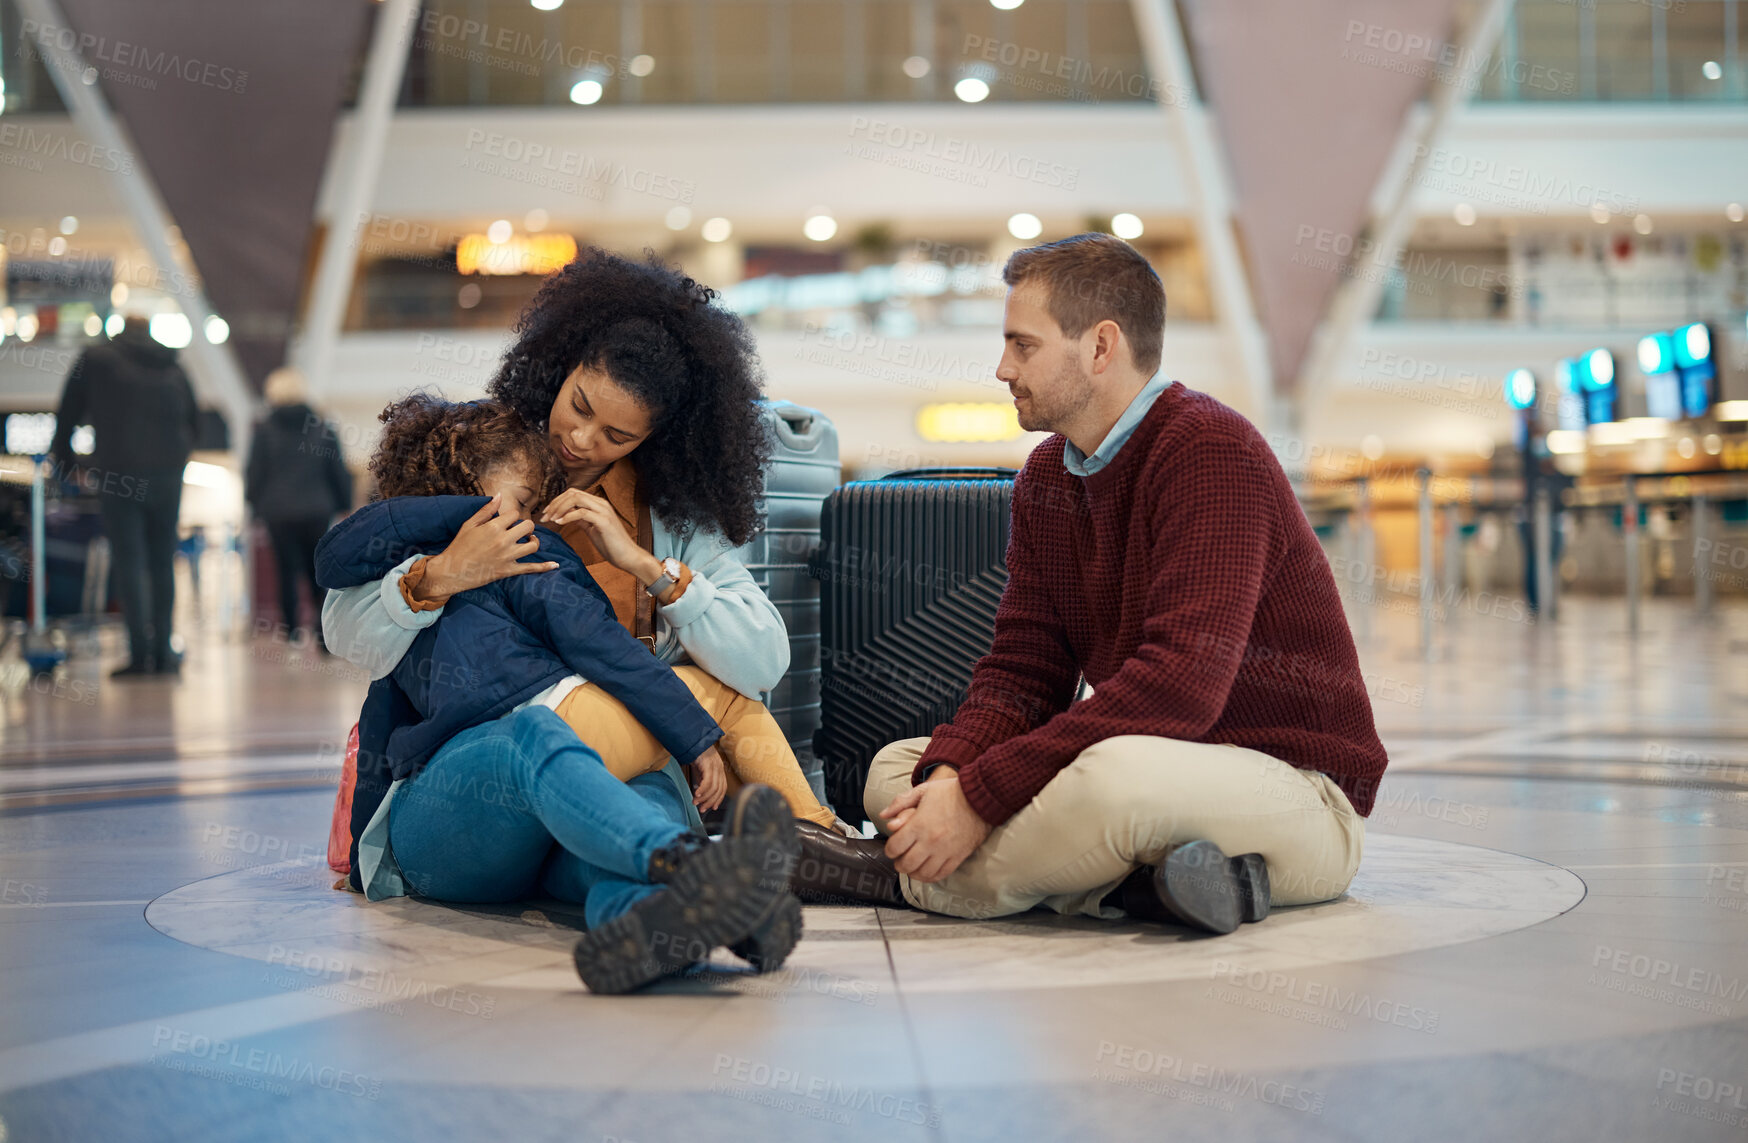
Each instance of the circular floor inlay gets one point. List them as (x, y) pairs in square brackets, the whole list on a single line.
[(1411, 894)]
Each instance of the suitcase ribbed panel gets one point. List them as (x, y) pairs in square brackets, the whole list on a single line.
[(911, 571), (804, 469)]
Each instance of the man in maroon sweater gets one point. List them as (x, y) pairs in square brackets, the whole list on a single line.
[(1158, 549)]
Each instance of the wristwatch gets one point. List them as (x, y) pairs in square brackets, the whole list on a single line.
[(669, 577)]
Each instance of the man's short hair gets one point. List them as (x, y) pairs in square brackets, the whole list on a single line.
[(1094, 277)]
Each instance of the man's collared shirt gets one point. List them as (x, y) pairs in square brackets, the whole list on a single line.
[(1081, 465)]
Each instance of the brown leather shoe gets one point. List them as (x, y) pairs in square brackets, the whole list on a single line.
[(838, 870)]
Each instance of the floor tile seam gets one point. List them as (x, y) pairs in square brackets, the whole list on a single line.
[(122, 755), (1436, 769), (9, 808), (924, 1086), (1617, 850)]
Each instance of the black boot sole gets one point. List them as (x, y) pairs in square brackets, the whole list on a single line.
[(759, 813), (718, 897), (769, 945), (1202, 887)]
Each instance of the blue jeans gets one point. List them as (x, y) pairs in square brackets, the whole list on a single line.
[(519, 806)]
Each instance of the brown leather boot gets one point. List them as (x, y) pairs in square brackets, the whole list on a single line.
[(838, 870)]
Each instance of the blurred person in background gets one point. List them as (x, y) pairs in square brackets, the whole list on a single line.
[(193, 547), (141, 409), (296, 484)]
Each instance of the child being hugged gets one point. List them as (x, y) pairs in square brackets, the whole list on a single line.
[(553, 638)]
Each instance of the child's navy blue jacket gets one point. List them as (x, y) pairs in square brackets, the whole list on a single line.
[(494, 647)]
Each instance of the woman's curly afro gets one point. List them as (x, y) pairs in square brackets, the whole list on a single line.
[(691, 364)]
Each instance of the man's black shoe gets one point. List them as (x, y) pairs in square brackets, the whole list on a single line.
[(839, 870), (135, 669), (1198, 885), (712, 895)]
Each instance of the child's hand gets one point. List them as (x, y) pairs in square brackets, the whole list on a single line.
[(489, 547), (709, 780)]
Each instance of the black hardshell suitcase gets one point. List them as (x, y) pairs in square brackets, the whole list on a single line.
[(911, 568)]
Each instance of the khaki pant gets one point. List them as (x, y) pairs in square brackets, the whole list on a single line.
[(753, 747), (1121, 804)]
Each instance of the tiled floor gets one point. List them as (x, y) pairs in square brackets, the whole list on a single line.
[(1548, 941)]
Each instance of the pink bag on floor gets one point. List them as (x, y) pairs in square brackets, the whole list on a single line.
[(340, 829)]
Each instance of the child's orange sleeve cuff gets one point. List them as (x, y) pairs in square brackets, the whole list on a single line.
[(411, 581)]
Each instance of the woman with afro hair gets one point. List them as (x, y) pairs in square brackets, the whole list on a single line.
[(647, 396)]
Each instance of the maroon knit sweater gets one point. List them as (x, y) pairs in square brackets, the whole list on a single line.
[(1184, 581)]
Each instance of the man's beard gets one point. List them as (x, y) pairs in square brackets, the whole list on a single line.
[(1068, 393)]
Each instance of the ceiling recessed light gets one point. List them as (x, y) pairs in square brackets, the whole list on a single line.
[(587, 91), (820, 227), (717, 229), (1126, 226), (971, 90), (1025, 226)]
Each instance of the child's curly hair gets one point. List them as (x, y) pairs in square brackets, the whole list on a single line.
[(433, 447)]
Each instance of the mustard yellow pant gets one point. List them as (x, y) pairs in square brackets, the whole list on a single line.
[(753, 747)]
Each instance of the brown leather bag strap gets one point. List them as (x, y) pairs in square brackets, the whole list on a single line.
[(644, 627)]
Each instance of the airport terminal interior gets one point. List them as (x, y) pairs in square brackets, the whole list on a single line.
[(1476, 271)]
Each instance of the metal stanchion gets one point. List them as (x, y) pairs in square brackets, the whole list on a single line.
[(1361, 538), (1630, 535), (39, 616), (1702, 582), (40, 651), (227, 609), (1453, 561), (1542, 536), (1428, 577)]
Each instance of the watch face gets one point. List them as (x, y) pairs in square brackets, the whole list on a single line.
[(671, 567)]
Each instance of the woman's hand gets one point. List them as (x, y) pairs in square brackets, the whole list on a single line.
[(709, 780), (485, 550), (605, 530)]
